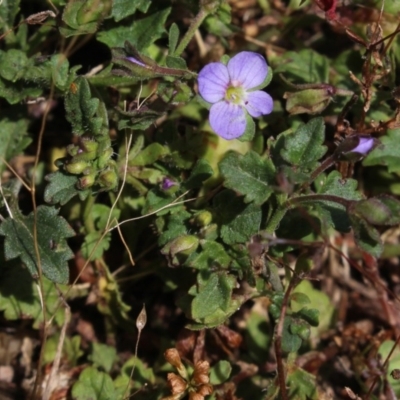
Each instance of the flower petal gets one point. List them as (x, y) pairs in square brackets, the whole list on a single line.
[(247, 69), (259, 103), (365, 145), (228, 120), (213, 81), (135, 61)]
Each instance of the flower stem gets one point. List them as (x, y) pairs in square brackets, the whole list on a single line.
[(325, 165), (197, 21), (281, 210), (312, 197)]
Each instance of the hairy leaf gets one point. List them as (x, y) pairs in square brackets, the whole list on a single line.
[(93, 385), (143, 32), (123, 8), (238, 220), (213, 294), (62, 188), (81, 109), (249, 175), (13, 138), (20, 299), (304, 147), (52, 231)]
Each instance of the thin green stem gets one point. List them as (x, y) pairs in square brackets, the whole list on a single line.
[(87, 217), (197, 21)]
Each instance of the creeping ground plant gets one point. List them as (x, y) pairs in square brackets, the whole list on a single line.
[(172, 230)]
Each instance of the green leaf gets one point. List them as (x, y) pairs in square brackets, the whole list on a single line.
[(173, 38), (172, 226), (303, 148), (219, 316), (319, 301), (22, 300), (250, 130), (295, 225), (52, 230), (311, 315), (93, 247), (335, 213), (367, 237), (81, 109), (99, 214), (380, 210), (180, 248), (112, 304), (300, 298), (13, 138), (8, 11), (157, 199), (13, 64), (214, 292), (62, 74), (82, 17), (18, 91), (175, 62), (249, 175), (302, 385), (123, 8), (300, 328), (386, 154), (220, 372), (103, 356), (201, 171), (290, 342), (71, 349), (93, 385), (143, 32), (143, 374), (239, 220), (149, 155), (212, 255), (306, 65), (62, 188), (139, 123), (276, 305)]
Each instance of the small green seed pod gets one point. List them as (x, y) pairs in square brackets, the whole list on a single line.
[(104, 157), (76, 167), (108, 179), (86, 182)]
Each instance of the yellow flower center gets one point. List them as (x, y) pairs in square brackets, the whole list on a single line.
[(235, 95)]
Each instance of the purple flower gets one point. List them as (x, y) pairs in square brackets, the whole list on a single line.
[(364, 146), (168, 183), (228, 88), (354, 147)]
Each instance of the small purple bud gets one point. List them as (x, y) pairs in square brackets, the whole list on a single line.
[(364, 146), (168, 183), (354, 147), (134, 60)]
